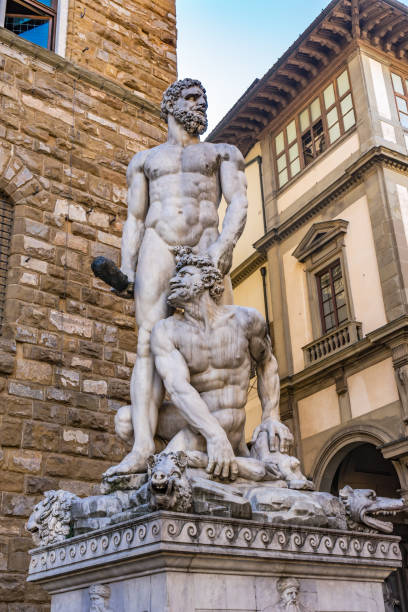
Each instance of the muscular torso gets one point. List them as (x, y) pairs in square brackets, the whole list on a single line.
[(218, 359), (184, 193)]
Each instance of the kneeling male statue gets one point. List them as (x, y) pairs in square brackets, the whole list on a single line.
[(203, 354)]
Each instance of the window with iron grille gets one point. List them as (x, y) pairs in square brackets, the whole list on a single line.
[(6, 224), (33, 20), (329, 115), (332, 297)]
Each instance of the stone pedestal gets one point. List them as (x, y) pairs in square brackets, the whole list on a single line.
[(187, 563)]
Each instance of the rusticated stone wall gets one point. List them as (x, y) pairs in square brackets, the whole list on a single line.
[(67, 344), (133, 43)]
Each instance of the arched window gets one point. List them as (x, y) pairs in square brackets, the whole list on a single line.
[(6, 224)]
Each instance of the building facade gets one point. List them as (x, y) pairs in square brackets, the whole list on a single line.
[(80, 86), (325, 139)]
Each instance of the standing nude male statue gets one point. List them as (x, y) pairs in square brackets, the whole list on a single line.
[(203, 354), (174, 193)]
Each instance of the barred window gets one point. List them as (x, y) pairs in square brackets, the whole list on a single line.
[(33, 20), (329, 115), (6, 224)]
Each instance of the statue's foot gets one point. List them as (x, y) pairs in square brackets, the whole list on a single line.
[(133, 463)]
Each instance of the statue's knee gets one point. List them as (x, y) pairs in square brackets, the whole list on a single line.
[(123, 423), (143, 342)]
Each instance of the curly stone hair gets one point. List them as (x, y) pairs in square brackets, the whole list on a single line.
[(173, 92), (211, 276)]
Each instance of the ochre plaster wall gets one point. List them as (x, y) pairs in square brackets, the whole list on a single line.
[(250, 293), (318, 412), (366, 293), (254, 226), (372, 388), (297, 300)]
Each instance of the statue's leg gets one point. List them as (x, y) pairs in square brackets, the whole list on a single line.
[(154, 270)]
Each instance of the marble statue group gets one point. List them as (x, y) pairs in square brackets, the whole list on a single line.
[(195, 353), (176, 260)]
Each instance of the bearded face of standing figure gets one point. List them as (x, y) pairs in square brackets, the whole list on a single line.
[(288, 589)]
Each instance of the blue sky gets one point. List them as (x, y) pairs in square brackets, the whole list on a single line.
[(228, 43)]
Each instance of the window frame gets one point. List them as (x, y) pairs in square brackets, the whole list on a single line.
[(318, 276), (397, 95), (50, 13), (326, 129)]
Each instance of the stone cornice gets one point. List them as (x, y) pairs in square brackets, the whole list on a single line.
[(165, 539), (77, 72), (353, 175), (380, 339), (247, 267)]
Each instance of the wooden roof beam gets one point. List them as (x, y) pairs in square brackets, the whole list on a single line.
[(397, 34), (379, 33), (372, 22), (370, 10), (325, 41), (315, 50), (246, 118), (261, 105), (275, 96), (282, 83), (355, 18), (305, 64), (293, 74), (337, 28)]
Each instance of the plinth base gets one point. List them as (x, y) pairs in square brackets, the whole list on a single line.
[(168, 562)]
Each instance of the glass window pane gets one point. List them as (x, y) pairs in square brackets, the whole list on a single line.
[(304, 120), (349, 120), (327, 307), (279, 143), (346, 104), (326, 293), (404, 120), (281, 163), (329, 96), (324, 279), (30, 28), (342, 314), (293, 152), (46, 2), (332, 117), (334, 132), (397, 82), (291, 131), (402, 105), (330, 323), (315, 109), (295, 167), (283, 177), (343, 84)]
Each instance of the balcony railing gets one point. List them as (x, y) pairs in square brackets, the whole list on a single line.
[(333, 342)]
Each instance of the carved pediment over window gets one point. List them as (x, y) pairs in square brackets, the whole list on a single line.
[(318, 236)]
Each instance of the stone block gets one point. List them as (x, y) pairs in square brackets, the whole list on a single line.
[(10, 432), (41, 436), (98, 387), (17, 505), (12, 587), (25, 461), (11, 482), (25, 390), (34, 371), (87, 419), (74, 441), (35, 485)]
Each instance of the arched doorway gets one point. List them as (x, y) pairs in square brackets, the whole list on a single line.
[(361, 465)]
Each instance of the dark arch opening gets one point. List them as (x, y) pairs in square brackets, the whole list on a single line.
[(362, 466)]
